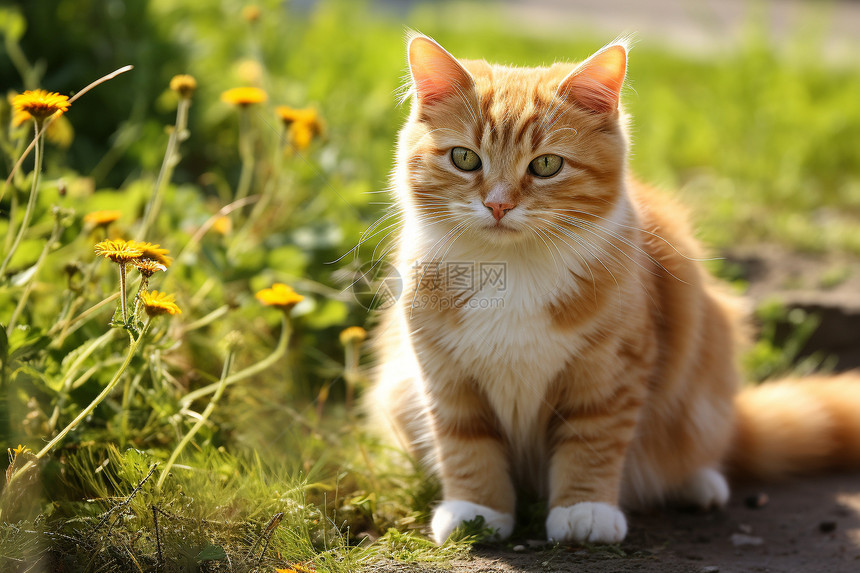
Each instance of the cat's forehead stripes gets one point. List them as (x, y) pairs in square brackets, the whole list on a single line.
[(516, 105)]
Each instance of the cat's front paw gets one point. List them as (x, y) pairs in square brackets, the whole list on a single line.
[(594, 522), (706, 489), (453, 512)]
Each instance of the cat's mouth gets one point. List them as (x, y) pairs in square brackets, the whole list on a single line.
[(500, 227)]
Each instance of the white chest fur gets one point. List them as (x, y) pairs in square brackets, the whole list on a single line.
[(503, 336)]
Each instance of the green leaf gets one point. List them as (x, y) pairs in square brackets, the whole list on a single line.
[(31, 343), (288, 259), (328, 313), (212, 553)]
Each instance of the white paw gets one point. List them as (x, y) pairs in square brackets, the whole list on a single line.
[(594, 522), (451, 513), (707, 488)]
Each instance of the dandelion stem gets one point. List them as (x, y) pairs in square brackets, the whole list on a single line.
[(204, 228), (222, 384), (127, 392), (101, 80), (351, 373), (55, 233), (86, 411), (72, 324), (262, 205), (51, 119), (201, 322), (31, 202), (66, 384), (280, 350), (246, 152), (123, 303), (171, 159)]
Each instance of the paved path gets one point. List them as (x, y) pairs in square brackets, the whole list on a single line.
[(696, 25)]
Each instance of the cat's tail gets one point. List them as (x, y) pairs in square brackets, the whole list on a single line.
[(797, 426)]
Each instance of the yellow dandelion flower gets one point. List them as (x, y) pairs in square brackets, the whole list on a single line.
[(280, 296), (21, 450), (148, 267), (19, 116), (250, 71), (288, 114), (157, 303), (101, 218), (40, 103), (184, 85), (244, 96), (223, 225), (118, 250), (60, 132), (251, 13), (352, 334), (303, 124), (155, 252)]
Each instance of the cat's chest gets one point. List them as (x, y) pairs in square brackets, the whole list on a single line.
[(502, 336)]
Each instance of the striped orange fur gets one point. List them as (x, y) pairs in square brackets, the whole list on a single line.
[(597, 365)]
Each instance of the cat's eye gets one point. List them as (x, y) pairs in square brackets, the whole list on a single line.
[(465, 159), (546, 165)]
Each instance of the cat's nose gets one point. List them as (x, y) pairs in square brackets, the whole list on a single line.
[(499, 209)]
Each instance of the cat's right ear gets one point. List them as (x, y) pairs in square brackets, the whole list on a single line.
[(436, 74)]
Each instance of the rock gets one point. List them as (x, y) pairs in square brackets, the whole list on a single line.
[(742, 540), (827, 526), (756, 501), (519, 548)]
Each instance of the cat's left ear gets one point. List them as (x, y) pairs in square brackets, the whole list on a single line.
[(436, 74), (596, 83)]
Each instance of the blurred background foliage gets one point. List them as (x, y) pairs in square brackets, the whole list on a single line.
[(761, 142)]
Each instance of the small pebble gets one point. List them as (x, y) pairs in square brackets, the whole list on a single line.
[(741, 539), (756, 501), (745, 528), (710, 569), (519, 548), (827, 526)]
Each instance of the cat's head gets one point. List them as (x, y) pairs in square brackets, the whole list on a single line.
[(509, 154)]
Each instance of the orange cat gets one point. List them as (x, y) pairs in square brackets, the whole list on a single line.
[(556, 332)]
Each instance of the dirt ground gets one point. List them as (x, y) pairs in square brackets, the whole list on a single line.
[(809, 526)]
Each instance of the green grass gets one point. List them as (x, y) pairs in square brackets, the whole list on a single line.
[(761, 144)]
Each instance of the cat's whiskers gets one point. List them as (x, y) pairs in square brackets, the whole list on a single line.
[(424, 260), (636, 262), (583, 226), (560, 268), (575, 250), (580, 240), (596, 230), (369, 233), (587, 245), (641, 230)]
